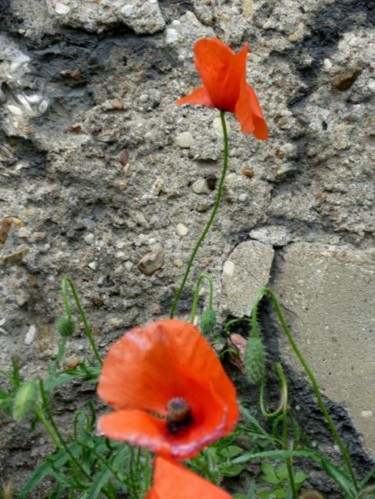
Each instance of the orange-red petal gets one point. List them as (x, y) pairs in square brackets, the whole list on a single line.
[(173, 481), (198, 96), (222, 71), (146, 369), (249, 113)]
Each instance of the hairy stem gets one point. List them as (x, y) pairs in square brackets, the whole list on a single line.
[(210, 221)]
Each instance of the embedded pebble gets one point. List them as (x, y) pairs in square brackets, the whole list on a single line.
[(30, 335), (200, 186), (157, 186), (93, 265), (127, 10), (128, 265), (178, 263), (61, 8), (151, 262), (181, 230), (184, 140), (89, 238), (366, 414), (343, 81), (117, 322), (171, 35)]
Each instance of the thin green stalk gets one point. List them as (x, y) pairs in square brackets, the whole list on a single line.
[(210, 221), (60, 353), (56, 431), (284, 400), (196, 294), (68, 281), (39, 414), (344, 451), (283, 397)]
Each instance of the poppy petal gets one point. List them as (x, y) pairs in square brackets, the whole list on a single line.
[(200, 359), (173, 481), (148, 368), (221, 70), (249, 113), (139, 371), (198, 96), (134, 427)]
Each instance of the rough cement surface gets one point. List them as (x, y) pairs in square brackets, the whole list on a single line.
[(246, 270), (106, 172), (328, 295)]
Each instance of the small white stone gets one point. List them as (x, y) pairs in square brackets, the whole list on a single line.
[(366, 414), (181, 230), (89, 238), (327, 64), (30, 335), (128, 265), (24, 232), (228, 268), (121, 255), (92, 265), (143, 98), (127, 10), (200, 186), (157, 187), (371, 85), (242, 197), (61, 8), (171, 35), (184, 140), (178, 263), (117, 322), (15, 110), (43, 106)]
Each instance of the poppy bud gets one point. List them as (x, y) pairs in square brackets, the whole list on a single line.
[(24, 400), (255, 359), (208, 321), (65, 326)]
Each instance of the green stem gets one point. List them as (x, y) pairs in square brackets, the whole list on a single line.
[(330, 423), (60, 353), (64, 283), (196, 295), (210, 221), (283, 398), (284, 401), (56, 431), (47, 427)]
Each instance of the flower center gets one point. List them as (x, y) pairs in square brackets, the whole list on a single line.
[(179, 415)]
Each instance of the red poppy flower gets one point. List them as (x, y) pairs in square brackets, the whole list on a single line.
[(223, 74), (169, 390), (173, 481)]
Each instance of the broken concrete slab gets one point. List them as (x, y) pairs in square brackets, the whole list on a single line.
[(245, 271), (329, 298)]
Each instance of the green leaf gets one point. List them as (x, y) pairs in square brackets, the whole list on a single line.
[(100, 481), (300, 477), (269, 470), (340, 477), (45, 469)]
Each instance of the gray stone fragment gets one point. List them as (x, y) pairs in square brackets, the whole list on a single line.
[(246, 270), (184, 140), (276, 235), (330, 294), (151, 262), (144, 17), (30, 335)]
